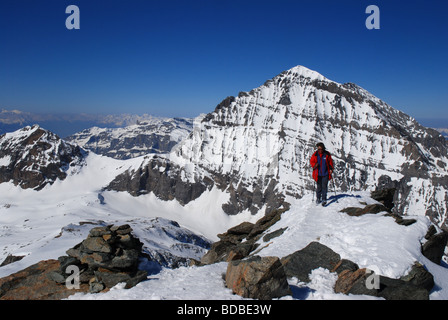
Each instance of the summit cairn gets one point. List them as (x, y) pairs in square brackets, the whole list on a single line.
[(108, 256)]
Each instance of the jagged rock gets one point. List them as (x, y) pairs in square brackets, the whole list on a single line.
[(231, 245), (273, 234), (434, 247), (377, 208), (369, 209), (354, 282), (400, 220), (315, 255), (396, 289), (257, 278), (166, 184), (240, 251), (265, 222), (345, 264), (11, 259), (109, 278), (420, 277), (416, 285), (385, 192)]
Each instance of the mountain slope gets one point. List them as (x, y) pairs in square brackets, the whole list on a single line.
[(157, 135), (33, 157), (266, 136)]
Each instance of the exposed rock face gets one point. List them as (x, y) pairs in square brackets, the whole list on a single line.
[(161, 177), (33, 283), (238, 242), (260, 278), (315, 255), (33, 157), (414, 286), (435, 245)]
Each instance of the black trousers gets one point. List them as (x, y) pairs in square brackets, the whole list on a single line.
[(322, 188)]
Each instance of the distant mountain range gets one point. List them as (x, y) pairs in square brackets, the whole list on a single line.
[(65, 125), (157, 135)]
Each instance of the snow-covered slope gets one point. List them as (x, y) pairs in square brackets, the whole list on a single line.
[(43, 224), (59, 216), (157, 135), (372, 241)]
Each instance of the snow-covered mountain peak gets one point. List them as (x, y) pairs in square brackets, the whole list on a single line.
[(268, 134), (304, 72), (33, 157)]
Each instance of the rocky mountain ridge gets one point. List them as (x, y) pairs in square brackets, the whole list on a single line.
[(158, 135), (33, 157)]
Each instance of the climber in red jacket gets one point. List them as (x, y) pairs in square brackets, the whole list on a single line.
[(322, 165)]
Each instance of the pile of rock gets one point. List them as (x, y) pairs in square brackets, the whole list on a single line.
[(108, 256), (238, 242)]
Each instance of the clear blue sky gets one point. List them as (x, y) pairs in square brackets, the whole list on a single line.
[(181, 58)]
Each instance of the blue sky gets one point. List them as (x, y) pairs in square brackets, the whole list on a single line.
[(181, 58)]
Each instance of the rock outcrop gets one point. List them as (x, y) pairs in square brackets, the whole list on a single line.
[(257, 277), (34, 283), (315, 255), (416, 285), (238, 242), (435, 245)]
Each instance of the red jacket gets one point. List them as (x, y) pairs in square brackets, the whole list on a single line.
[(313, 162)]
